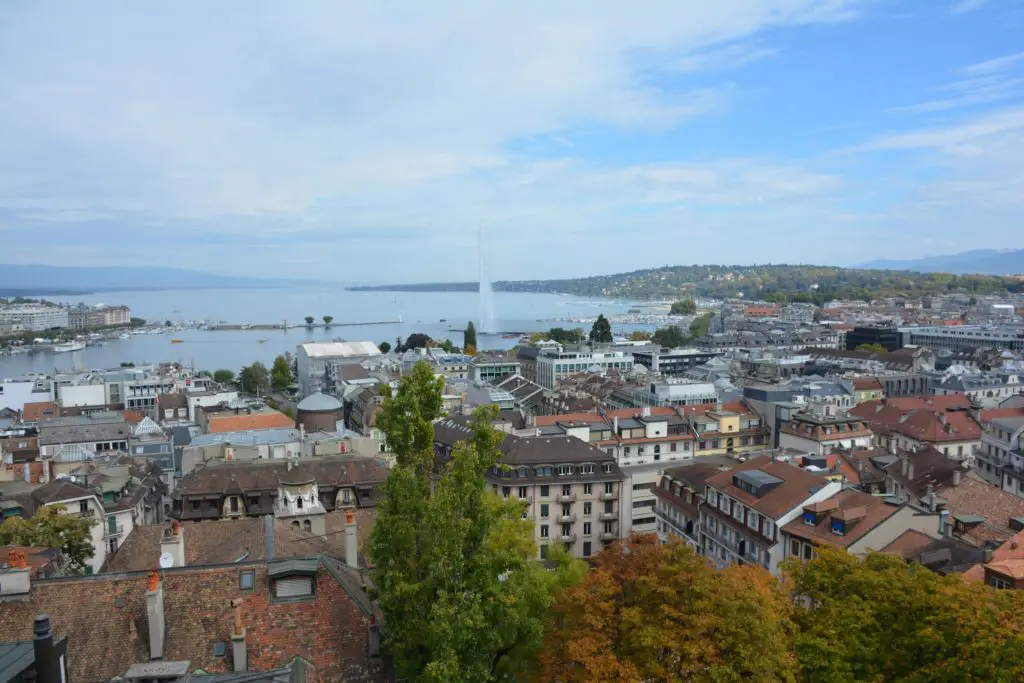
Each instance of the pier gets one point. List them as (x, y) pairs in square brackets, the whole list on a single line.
[(228, 327)]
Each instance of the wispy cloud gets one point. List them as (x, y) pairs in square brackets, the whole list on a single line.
[(982, 83), (965, 6), (990, 66)]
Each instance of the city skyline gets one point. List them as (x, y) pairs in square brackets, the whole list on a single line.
[(302, 141)]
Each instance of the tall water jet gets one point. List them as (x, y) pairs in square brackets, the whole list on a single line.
[(486, 295)]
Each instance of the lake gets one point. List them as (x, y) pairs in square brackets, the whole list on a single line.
[(209, 350)]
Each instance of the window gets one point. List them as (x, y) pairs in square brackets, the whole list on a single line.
[(998, 582), (566, 508), (608, 527), (609, 487), (637, 504), (794, 548), (753, 520), (586, 549), (543, 552), (195, 505), (220, 649), (234, 503), (293, 587), (522, 492), (298, 502), (586, 528), (566, 529), (607, 468), (307, 526), (564, 470), (672, 447), (588, 489), (543, 530), (625, 450), (83, 507), (544, 493), (254, 501), (505, 491), (807, 551), (609, 507), (246, 580), (544, 510), (768, 530), (587, 509), (586, 469)]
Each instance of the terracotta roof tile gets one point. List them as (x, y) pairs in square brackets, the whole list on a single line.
[(217, 424), (797, 486), (864, 513), (36, 412), (867, 384), (976, 497)]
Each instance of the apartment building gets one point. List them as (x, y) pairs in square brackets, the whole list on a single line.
[(956, 337), (554, 365), (917, 423), (987, 389), (670, 362), (574, 492), (312, 359), (1000, 455), (746, 507), (823, 431), (84, 317), (33, 317), (492, 368), (680, 493)]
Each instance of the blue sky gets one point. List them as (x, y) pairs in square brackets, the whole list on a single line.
[(368, 141)]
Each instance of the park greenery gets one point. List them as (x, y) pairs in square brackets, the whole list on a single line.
[(253, 379), (51, 527), (780, 283), (684, 307), (873, 347), (454, 565), (673, 336), (281, 374), (601, 332), (224, 377)]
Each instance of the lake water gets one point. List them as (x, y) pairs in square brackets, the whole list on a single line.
[(209, 350)]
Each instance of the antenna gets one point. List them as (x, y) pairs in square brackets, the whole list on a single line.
[(166, 560)]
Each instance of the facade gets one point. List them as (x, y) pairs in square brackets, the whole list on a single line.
[(670, 362), (34, 317), (572, 491), (988, 389), (488, 368), (680, 494), (821, 432), (746, 507), (674, 392), (554, 365), (1000, 455), (867, 389), (83, 437), (908, 424), (83, 317), (957, 337), (312, 360), (887, 337)]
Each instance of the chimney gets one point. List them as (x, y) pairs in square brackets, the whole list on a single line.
[(944, 527), (930, 498), (956, 477), (302, 432), (904, 462), (268, 536), (615, 426), (49, 656), (239, 655), (647, 411), (155, 613), (15, 577), (942, 418), (351, 545), (173, 542), (910, 469)]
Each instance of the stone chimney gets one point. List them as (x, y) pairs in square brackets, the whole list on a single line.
[(615, 426), (351, 544), (956, 476), (173, 542), (945, 528), (910, 469), (15, 577), (239, 655), (155, 614), (904, 462)]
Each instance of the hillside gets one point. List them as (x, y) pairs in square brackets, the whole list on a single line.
[(984, 261)]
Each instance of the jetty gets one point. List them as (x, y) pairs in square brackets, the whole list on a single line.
[(235, 327)]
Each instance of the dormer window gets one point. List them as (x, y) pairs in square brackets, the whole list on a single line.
[(810, 518), (838, 527), (607, 468), (586, 469), (564, 470)]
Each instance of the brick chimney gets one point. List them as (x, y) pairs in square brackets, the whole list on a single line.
[(155, 615), (15, 577), (351, 545), (239, 654), (173, 542)]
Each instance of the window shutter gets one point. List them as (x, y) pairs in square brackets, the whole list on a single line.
[(293, 587)]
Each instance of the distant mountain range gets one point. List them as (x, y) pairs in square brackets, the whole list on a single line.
[(978, 261), (29, 280)]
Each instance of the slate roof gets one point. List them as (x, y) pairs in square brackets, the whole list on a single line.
[(225, 476), (319, 402), (797, 486), (105, 619), (931, 468)]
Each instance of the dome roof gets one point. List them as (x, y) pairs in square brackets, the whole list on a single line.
[(319, 403)]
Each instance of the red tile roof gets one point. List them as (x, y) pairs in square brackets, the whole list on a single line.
[(994, 413), (217, 424), (36, 412), (976, 497), (908, 544), (867, 384), (795, 488), (106, 622), (928, 422), (860, 511), (1010, 551)]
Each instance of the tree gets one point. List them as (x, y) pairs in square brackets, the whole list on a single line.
[(416, 340), (601, 332), (538, 337), (469, 337), (684, 307), (384, 347), (328, 319), (470, 351), (223, 377), (671, 337), (253, 378), (873, 347), (281, 374), (454, 570), (309, 320), (699, 327), (639, 335), (973, 301), (50, 527), (876, 619), (168, 323), (654, 612), (448, 347)]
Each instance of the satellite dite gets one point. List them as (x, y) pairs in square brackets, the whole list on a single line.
[(166, 560)]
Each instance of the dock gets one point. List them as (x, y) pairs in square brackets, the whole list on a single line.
[(233, 327)]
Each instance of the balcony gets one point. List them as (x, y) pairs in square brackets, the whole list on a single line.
[(525, 499), (88, 512), (609, 536), (567, 519), (113, 530), (614, 495), (565, 498), (566, 538), (609, 516)]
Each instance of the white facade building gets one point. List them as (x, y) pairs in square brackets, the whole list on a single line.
[(554, 366), (313, 358), (34, 317)]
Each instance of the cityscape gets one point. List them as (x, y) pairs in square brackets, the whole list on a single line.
[(494, 343)]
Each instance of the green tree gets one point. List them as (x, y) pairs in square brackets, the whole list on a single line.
[(639, 335), (50, 527), (454, 570), (973, 301), (469, 337), (280, 374), (876, 619), (671, 337), (448, 346), (309, 320), (224, 376), (684, 307), (659, 612), (601, 332), (384, 347), (699, 327), (328, 319), (254, 378), (564, 336), (873, 347)]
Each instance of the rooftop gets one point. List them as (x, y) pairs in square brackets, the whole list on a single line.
[(340, 349), (796, 486)]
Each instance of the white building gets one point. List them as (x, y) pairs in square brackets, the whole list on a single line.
[(555, 365), (313, 358), (34, 317)]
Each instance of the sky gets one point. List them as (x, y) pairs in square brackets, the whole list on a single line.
[(374, 141)]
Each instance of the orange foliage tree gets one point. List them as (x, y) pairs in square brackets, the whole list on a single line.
[(653, 612)]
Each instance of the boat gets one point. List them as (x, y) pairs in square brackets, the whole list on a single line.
[(177, 341), (443, 320), (510, 336), (69, 347)]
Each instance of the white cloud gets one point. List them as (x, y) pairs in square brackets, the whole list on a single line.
[(993, 65), (965, 6)]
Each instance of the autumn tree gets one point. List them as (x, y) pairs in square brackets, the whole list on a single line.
[(50, 527), (281, 374), (653, 612), (878, 619), (469, 336), (454, 570), (601, 332), (639, 335)]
